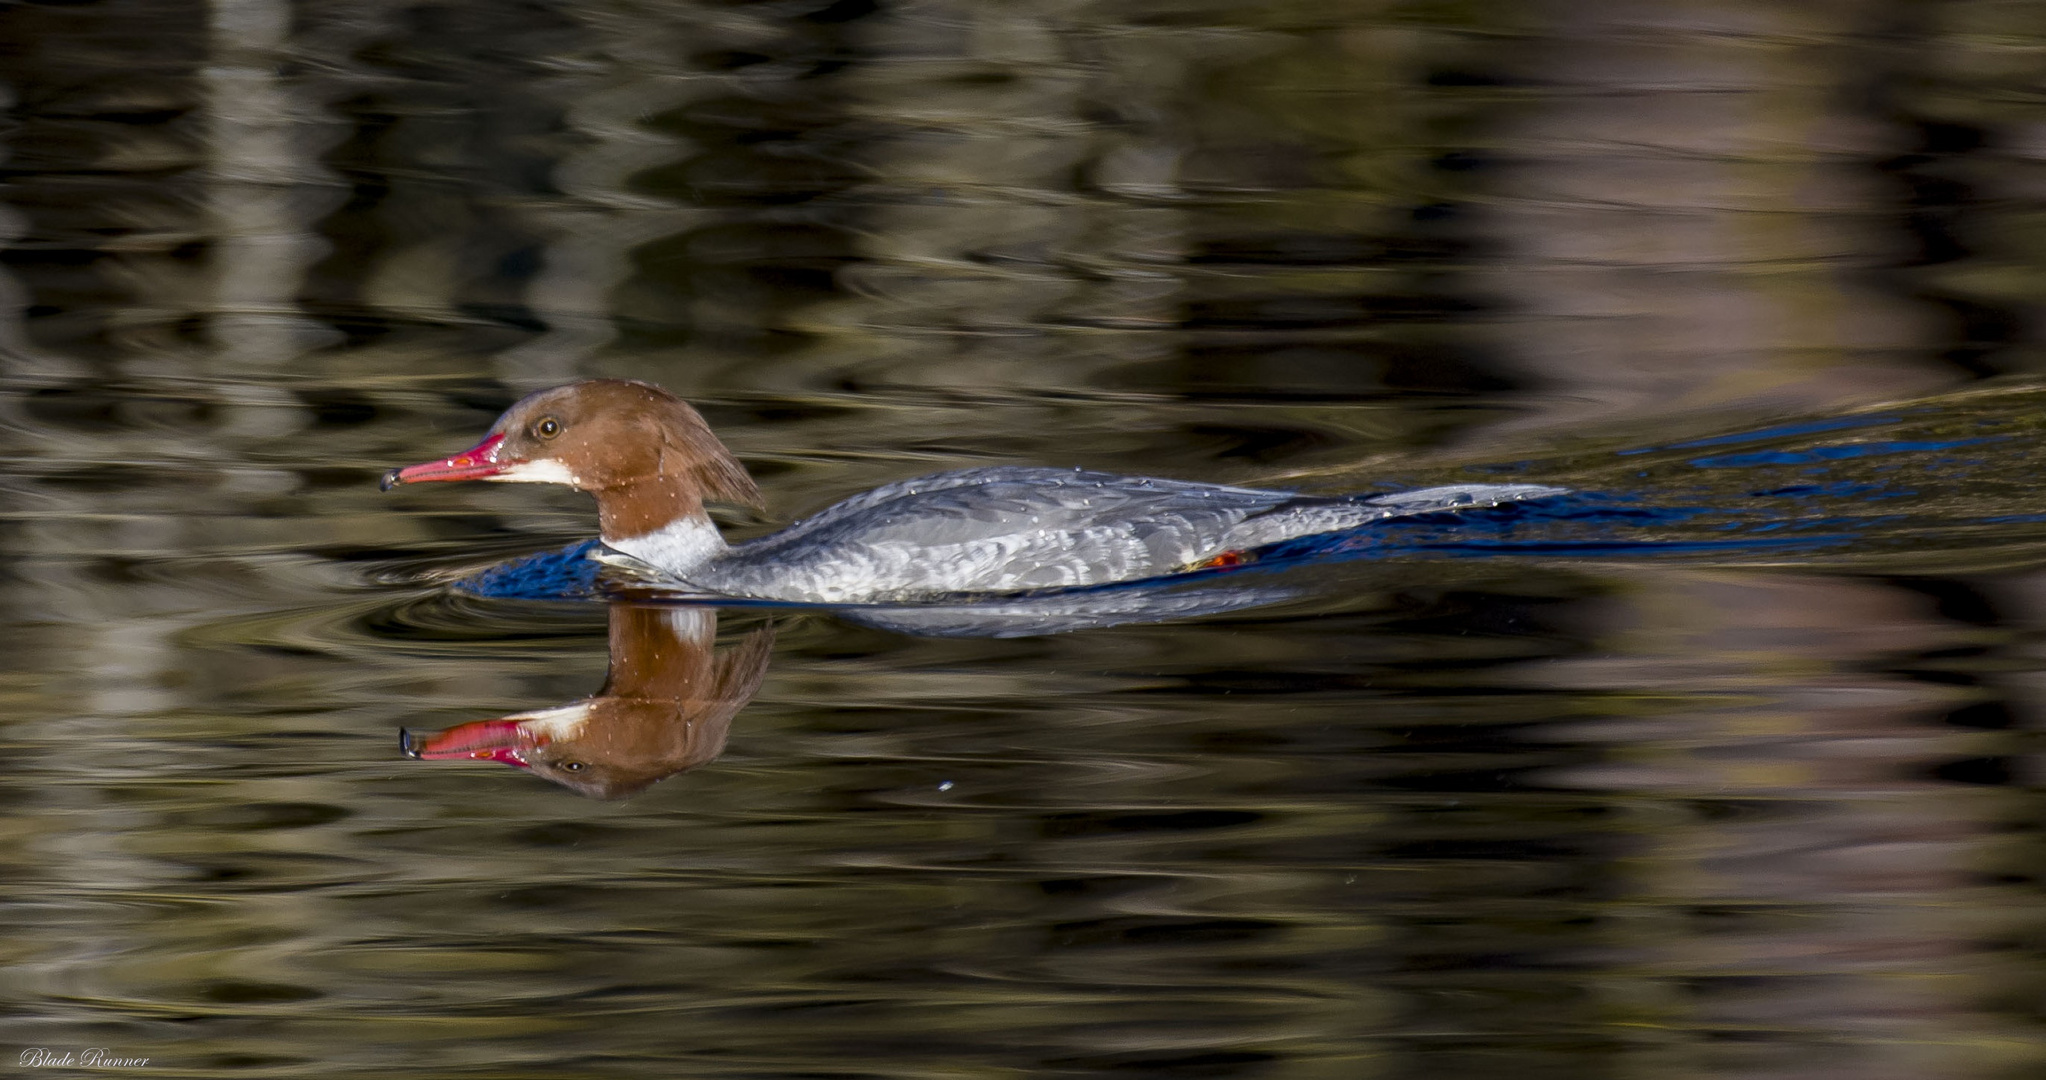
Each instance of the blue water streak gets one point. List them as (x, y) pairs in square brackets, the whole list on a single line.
[(1780, 431), (1834, 453), (568, 574)]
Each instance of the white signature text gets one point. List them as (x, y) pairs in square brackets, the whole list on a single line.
[(92, 1057)]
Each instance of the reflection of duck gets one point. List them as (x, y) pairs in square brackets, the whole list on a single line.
[(651, 462), (665, 707)]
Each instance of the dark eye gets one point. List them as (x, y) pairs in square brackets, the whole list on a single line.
[(572, 766), (547, 428)]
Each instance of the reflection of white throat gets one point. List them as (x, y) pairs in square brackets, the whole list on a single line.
[(678, 547), (694, 625)]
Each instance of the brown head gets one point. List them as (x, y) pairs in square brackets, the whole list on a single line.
[(644, 453)]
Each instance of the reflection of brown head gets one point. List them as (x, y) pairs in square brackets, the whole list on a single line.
[(666, 706)]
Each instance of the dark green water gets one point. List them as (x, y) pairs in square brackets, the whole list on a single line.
[(1735, 774)]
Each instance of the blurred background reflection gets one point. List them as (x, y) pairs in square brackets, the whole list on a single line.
[(1752, 812)]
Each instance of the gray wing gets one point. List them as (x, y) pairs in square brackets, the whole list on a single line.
[(907, 499), (989, 530)]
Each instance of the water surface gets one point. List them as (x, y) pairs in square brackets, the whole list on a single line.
[(1723, 766)]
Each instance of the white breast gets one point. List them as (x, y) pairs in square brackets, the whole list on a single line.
[(676, 548)]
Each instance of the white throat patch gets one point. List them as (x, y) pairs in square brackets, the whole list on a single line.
[(544, 471), (676, 548)]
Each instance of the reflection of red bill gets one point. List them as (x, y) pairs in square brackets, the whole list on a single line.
[(475, 463), (1227, 558), (482, 740)]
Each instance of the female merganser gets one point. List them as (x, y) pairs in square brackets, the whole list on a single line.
[(652, 462)]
